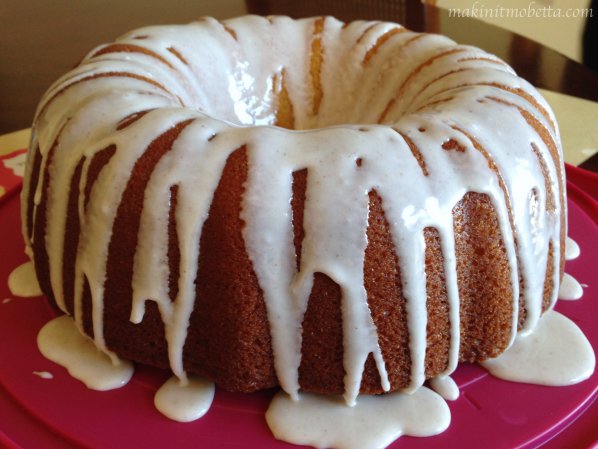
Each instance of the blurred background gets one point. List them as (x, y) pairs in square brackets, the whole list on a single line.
[(564, 34)]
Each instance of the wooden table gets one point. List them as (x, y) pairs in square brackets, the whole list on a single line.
[(36, 47)]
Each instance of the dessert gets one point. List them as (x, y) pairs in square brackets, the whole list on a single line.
[(334, 208)]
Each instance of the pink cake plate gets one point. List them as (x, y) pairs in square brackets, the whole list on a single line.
[(62, 413)]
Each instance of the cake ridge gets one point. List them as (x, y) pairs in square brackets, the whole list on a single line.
[(422, 190)]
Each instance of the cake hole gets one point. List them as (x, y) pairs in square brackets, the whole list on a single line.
[(452, 144), (358, 161), (421, 129), (284, 105), (143, 36), (212, 137)]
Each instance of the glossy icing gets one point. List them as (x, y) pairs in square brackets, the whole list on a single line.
[(23, 282), (570, 289), (184, 402), (374, 421), (60, 341), (572, 250), (446, 387), (557, 353), (394, 117), (471, 106)]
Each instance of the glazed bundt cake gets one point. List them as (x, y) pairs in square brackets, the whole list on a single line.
[(326, 206)]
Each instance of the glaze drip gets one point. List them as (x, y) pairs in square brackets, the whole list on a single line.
[(184, 403), (60, 341), (570, 289), (482, 108), (374, 422), (23, 282), (557, 353)]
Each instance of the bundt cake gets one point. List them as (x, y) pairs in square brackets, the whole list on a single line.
[(325, 206)]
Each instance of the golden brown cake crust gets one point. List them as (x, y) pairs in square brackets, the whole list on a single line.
[(229, 336)]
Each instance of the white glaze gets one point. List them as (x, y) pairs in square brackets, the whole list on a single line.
[(60, 341), (572, 250), (184, 402), (23, 282), (446, 387), (557, 353), (374, 422), (16, 164), (570, 289), (44, 374), (484, 119)]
